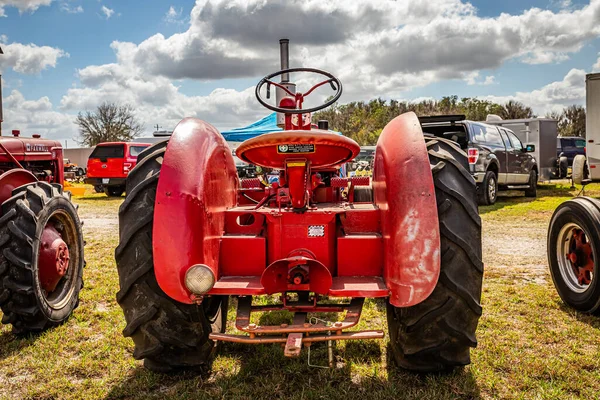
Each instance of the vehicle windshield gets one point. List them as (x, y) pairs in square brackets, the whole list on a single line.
[(109, 151)]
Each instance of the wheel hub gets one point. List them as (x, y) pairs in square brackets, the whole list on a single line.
[(53, 258), (580, 256)]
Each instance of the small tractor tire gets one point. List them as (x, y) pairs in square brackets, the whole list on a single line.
[(99, 189), (25, 216), (581, 213), (437, 334), (488, 190), (532, 190), (168, 335), (114, 191), (578, 173)]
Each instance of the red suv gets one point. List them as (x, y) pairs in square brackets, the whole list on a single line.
[(110, 163)]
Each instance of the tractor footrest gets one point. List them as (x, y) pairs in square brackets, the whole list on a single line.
[(355, 335)]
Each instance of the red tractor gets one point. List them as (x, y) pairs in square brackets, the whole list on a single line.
[(315, 241), (41, 242)]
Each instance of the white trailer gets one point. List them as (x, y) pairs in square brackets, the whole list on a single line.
[(592, 124)]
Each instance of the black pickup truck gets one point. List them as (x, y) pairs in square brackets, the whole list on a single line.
[(497, 158)]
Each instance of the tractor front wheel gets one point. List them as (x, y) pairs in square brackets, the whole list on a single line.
[(437, 334), (168, 335), (41, 257)]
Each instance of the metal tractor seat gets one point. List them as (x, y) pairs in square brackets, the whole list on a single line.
[(321, 148)]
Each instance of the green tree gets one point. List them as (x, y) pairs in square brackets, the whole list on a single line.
[(516, 110), (572, 121), (109, 123)]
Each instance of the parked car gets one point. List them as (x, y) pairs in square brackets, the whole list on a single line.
[(497, 158), (110, 163), (72, 168), (570, 147)]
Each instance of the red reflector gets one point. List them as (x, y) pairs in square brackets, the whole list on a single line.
[(473, 155), (592, 166)]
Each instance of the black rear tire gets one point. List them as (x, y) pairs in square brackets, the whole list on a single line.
[(23, 301), (532, 190), (114, 191), (488, 189), (583, 213), (168, 335), (437, 334), (99, 189)]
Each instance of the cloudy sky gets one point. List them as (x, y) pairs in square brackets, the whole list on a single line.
[(172, 59)]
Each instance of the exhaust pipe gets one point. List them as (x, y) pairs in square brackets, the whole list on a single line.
[(284, 57)]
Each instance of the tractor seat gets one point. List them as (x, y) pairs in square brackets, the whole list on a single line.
[(321, 148)]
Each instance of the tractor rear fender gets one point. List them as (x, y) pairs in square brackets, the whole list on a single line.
[(404, 192), (197, 183)]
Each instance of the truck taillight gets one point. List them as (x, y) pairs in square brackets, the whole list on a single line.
[(127, 167), (473, 155)]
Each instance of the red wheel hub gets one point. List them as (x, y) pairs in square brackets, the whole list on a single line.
[(581, 258), (53, 258)]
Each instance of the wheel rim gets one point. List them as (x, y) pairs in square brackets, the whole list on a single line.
[(575, 255), (61, 268), (492, 188)]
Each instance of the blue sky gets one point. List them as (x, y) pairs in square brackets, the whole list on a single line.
[(171, 59)]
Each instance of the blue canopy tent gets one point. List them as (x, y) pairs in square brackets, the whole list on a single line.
[(265, 125)]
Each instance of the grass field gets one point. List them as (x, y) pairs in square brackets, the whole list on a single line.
[(530, 345)]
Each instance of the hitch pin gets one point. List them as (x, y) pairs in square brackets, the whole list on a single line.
[(329, 345)]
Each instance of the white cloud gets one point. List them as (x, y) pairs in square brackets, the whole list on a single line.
[(37, 116), (71, 9), (596, 67), (108, 12), (173, 16), (29, 58), (473, 78), (553, 96), (23, 5)]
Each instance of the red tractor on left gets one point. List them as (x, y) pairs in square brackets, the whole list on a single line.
[(41, 241)]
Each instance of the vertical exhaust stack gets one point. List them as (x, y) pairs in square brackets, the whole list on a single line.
[(284, 56)]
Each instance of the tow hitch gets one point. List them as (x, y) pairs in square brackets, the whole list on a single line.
[(302, 331)]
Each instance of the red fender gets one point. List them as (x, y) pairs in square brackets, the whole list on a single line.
[(12, 179), (197, 183), (404, 192)]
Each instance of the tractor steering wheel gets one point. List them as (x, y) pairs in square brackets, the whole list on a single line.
[(298, 97)]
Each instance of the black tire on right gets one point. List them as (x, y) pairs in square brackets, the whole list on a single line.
[(437, 334), (485, 195), (168, 335), (585, 213)]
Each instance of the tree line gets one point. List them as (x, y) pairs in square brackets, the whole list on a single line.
[(364, 121), (359, 120)]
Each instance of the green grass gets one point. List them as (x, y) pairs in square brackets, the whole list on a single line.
[(530, 345)]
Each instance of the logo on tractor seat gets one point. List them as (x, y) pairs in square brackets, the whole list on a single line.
[(295, 148), (316, 230)]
